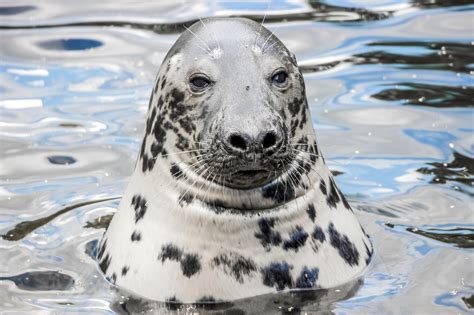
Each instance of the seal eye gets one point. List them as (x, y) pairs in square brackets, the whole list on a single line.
[(199, 83), (280, 78)]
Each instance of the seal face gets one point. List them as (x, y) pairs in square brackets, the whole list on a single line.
[(230, 197)]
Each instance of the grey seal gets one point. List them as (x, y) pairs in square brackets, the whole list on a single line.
[(230, 197)]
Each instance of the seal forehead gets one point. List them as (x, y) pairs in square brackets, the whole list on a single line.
[(218, 36)]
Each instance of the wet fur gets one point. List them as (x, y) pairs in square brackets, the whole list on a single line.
[(180, 234)]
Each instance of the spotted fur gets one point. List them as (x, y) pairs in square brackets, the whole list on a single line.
[(189, 229)]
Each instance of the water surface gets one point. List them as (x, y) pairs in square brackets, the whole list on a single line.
[(390, 88)]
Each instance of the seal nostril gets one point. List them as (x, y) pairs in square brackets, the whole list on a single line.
[(269, 140), (237, 141)]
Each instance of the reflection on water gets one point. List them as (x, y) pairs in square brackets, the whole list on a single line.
[(13, 10), (460, 169), (428, 95), (42, 281), (459, 236), (390, 89), (61, 159), (70, 44), (23, 228), (319, 301), (430, 55)]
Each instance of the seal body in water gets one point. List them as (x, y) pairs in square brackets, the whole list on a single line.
[(230, 197)]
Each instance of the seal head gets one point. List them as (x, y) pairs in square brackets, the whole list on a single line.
[(230, 197)]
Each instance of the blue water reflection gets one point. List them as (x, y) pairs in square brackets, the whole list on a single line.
[(389, 85), (70, 44)]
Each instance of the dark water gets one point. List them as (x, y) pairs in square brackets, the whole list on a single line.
[(390, 85)]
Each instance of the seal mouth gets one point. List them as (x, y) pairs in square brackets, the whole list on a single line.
[(249, 178)]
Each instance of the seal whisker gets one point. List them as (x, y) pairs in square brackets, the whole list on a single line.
[(210, 33), (191, 168), (203, 183), (177, 153), (294, 186), (300, 173), (195, 168), (187, 190), (331, 160), (269, 36), (209, 187), (306, 152), (267, 48), (315, 170), (302, 170), (261, 24), (208, 50), (282, 161), (181, 152)]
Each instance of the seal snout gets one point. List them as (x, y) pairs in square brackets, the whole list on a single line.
[(266, 142), (255, 154)]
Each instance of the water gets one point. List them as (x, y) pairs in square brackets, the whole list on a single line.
[(390, 89)]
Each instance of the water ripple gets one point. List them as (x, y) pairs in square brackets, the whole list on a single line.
[(389, 85)]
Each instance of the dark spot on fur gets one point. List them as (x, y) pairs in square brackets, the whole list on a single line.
[(140, 206), (102, 250), (160, 102), (113, 278), (278, 275), (176, 171), (279, 191), (333, 196), (304, 117), (190, 265), (294, 106), (136, 236), (185, 199), (369, 254), (142, 149), (313, 150), (267, 236), (293, 126), (159, 134), (344, 200), (125, 270), (187, 124), (176, 105), (236, 265), (182, 143), (323, 188), (307, 278), (163, 83), (318, 234), (144, 161), (156, 148), (297, 239), (311, 212), (104, 263), (149, 122), (171, 252), (345, 247)]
